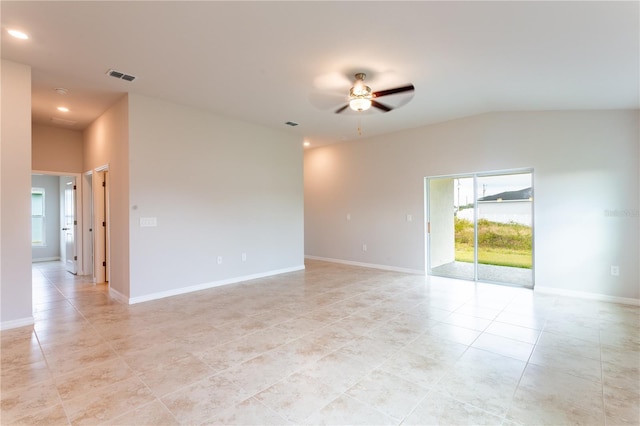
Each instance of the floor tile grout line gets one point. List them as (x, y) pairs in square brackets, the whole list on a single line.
[(62, 402), (604, 401), (285, 418), (47, 363), (88, 303)]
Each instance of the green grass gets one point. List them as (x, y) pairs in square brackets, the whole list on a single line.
[(499, 244), (495, 257)]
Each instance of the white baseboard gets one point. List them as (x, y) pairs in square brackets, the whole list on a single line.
[(44, 259), (22, 322), (539, 289), (367, 265), (118, 296), (585, 295), (205, 286)]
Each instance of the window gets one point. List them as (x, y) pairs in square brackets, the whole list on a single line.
[(37, 217)]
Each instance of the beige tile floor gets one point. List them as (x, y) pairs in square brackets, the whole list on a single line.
[(330, 345)]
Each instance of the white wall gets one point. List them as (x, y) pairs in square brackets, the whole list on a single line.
[(54, 149), (217, 187), (583, 161), (106, 142), (51, 249), (442, 238), (15, 199)]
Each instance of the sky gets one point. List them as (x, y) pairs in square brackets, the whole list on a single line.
[(489, 185)]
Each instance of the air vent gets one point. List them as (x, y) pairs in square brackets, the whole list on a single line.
[(62, 121), (121, 75), (291, 123)]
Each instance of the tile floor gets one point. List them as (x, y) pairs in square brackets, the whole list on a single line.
[(330, 345)]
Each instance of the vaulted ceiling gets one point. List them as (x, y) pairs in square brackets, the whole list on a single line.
[(273, 62)]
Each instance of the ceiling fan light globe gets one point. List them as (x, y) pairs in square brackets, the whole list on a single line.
[(360, 104), (360, 90)]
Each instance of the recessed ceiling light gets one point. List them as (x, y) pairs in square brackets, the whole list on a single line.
[(18, 34), (307, 144), (63, 109)]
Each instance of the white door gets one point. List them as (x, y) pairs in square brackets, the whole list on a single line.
[(101, 226), (69, 224)]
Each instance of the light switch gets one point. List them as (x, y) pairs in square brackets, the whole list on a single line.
[(148, 222)]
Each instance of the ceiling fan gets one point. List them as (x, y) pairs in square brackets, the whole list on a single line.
[(361, 98)]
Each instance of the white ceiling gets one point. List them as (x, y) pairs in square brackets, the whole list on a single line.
[(273, 62)]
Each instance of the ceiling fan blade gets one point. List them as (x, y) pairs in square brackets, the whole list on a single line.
[(339, 110), (383, 107), (393, 91)]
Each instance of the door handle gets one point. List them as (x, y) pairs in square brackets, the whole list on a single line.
[(65, 229)]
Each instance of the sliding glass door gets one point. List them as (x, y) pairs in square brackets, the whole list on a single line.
[(450, 242), (480, 227)]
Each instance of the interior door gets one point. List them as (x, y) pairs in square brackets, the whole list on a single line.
[(69, 224), (101, 225)]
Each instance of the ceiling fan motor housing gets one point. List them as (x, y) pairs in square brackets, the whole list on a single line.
[(361, 98), (360, 94)]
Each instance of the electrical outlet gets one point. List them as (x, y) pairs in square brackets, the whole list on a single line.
[(615, 270), (244, 257), (348, 217), (219, 260), (409, 218), (364, 247)]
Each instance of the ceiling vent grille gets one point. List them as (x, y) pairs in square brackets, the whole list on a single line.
[(121, 75)]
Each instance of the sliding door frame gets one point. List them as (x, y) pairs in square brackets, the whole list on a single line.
[(475, 176)]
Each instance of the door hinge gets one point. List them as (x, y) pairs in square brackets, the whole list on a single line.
[(75, 257), (104, 263), (90, 229), (104, 183), (104, 223), (74, 187), (75, 222), (428, 227)]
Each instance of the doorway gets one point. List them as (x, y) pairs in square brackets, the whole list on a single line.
[(55, 219), (480, 227), (101, 246), (69, 223), (87, 219)]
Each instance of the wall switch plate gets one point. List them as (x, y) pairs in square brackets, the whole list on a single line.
[(409, 218), (244, 257), (348, 217), (146, 222), (364, 247), (219, 260), (615, 270)]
